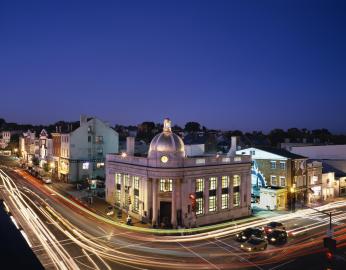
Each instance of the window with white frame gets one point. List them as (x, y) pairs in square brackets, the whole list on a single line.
[(252, 152), (282, 165), (212, 203), (200, 206), (225, 181), (236, 199), (117, 197), (165, 185), (236, 181), (282, 181), (273, 164), (85, 165), (212, 183), (224, 201), (199, 185), (273, 180)]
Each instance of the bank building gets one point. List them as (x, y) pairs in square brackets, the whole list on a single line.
[(169, 189)]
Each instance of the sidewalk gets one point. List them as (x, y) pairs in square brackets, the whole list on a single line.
[(98, 206)]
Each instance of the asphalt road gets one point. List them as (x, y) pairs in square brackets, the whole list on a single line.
[(66, 237)]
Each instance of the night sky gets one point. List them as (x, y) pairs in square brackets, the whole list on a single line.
[(249, 65)]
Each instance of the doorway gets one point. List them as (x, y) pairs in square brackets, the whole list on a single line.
[(165, 214)]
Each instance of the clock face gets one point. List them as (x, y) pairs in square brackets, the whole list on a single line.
[(164, 159)]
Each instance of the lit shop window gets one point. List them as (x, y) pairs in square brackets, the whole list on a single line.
[(212, 183), (199, 185), (200, 206), (236, 199), (85, 165), (212, 203), (165, 185), (225, 181), (224, 201)]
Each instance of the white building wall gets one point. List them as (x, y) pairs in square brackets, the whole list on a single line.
[(321, 151)]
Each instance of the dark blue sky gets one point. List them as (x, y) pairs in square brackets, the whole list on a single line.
[(250, 65)]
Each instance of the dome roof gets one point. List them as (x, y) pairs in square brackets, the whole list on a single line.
[(166, 142)]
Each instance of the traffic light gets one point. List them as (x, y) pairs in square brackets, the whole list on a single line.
[(329, 256), (329, 243)]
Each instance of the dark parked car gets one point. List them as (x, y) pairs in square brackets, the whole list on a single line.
[(247, 233), (273, 226), (254, 244), (277, 237)]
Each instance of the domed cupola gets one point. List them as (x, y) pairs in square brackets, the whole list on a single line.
[(166, 144)]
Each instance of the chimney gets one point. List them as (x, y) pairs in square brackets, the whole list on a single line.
[(233, 147), (130, 146), (304, 140), (56, 129), (83, 119), (60, 129)]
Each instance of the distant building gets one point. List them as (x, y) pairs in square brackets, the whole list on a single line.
[(83, 150), (5, 138), (167, 188), (333, 157), (278, 174)]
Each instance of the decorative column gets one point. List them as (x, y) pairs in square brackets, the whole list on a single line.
[(174, 203), (155, 210)]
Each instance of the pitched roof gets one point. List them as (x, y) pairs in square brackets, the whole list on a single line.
[(281, 152)]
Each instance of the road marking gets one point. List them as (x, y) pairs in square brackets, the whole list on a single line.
[(242, 258), (199, 256), (278, 266), (103, 230)]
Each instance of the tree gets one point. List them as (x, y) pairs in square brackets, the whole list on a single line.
[(192, 127), (277, 136)]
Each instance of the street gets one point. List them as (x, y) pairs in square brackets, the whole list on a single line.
[(65, 236)]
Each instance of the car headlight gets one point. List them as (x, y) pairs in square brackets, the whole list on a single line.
[(273, 239), (244, 237), (237, 235), (241, 245), (249, 249)]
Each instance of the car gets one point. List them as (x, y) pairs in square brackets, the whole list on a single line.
[(46, 180), (254, 244), (273, 226), (277, 237), (247, 233)]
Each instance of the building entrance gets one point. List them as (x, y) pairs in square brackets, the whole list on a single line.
[(165, 214)]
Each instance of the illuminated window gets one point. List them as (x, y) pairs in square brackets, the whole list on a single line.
[(85, 165), (225, 181), (127, 180), (236, 199), (165, 185), (117, 197), (118, 178), (224, 201), (212, 183), (136, 204), (199, 185), (212, 203), (236, 181), (100, 165), (136, 182), (200, 206)]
